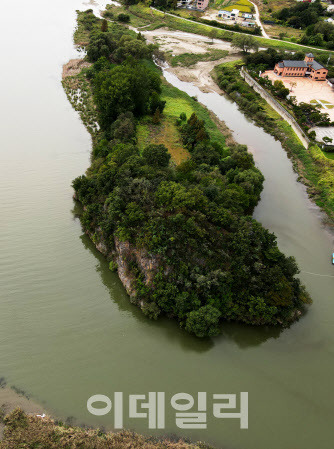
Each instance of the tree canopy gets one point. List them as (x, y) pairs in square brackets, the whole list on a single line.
[(194, 252)]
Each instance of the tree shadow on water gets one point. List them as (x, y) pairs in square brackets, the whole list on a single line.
[(246, 336), (243, 335)]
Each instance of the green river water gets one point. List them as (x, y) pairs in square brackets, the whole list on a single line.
[(67, 329)]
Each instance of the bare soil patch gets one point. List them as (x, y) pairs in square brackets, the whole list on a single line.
[(74, 67)]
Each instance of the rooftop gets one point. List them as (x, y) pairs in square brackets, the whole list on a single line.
[(289, 63), (316, 65)]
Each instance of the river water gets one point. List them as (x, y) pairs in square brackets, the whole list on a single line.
[(67, 329)]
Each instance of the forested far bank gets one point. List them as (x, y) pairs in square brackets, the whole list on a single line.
[(180, 235)]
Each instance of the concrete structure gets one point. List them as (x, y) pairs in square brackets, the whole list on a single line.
[(202, 4), (307, 90), (309, 67), (324, 131), (247, 15), (199, 5), (229, 15), (277, 106), (248, 23), (184, 3)]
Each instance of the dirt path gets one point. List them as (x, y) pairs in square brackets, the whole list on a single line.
[(258, 20)]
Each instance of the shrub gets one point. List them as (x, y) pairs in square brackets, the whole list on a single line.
[(123, 18)]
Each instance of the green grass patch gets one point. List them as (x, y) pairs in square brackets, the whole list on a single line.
[(189, 59), (86, 23), (178, 101), (329, 155), (167, 132)]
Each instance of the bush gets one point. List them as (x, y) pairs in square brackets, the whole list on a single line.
[(204, 322), (156, 155), (151, 310), (123, 18)]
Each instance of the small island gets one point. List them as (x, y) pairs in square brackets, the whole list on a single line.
[(168, 200)]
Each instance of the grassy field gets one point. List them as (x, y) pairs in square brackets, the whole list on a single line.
[(277, 30), (81, 34), (167, 132), (270, 6), (228, 5), (189, 59), (241, 5)]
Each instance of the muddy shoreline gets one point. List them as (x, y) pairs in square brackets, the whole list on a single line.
[(11, 399)]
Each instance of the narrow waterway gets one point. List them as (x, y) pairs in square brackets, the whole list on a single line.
[(67, 329)]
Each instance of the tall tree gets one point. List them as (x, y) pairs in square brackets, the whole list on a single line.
[(104, 26), (245, 42)]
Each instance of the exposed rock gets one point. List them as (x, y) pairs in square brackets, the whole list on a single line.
[(147, 263), (124, 253)]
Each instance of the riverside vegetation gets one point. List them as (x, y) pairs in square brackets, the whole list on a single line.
[(180, 236), (314, 167), (141, 15), (30, 432)]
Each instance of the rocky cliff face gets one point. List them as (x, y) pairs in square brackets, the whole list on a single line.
[(125, 255)]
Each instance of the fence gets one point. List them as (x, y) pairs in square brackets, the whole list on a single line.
[(275, 105)]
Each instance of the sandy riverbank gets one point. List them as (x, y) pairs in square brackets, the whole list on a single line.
[(179, 42), (10, 399)]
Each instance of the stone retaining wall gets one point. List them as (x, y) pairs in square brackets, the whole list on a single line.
[(275, 105)]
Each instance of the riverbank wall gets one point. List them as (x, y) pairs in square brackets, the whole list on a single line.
[(276, 106)]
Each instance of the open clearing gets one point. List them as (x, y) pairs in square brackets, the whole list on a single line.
[(308, 91), (179, 42)]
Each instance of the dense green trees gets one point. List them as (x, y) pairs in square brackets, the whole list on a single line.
[(117, 45), (280, 90), (204, 321), (209, 261), (156, 155), (301, 15), (308, 16), (127, 87), (214, 262), (123, 18)]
